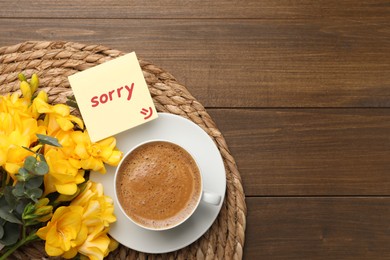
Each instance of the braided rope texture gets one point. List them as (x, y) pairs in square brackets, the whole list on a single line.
[(55, 61)]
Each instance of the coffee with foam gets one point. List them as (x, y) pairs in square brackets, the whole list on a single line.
[(158, 185)]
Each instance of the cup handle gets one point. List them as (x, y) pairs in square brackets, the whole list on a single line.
[(211, 198)]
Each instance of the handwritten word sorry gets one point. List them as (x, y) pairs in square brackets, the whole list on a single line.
[(111, 95)]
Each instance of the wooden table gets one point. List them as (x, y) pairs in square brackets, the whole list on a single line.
[(300, 89)]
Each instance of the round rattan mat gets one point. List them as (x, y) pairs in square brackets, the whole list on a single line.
[(55, 61)]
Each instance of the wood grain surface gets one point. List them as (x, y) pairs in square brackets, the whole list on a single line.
[(300, 89), (245, 63), (309, 151), (318, 228)]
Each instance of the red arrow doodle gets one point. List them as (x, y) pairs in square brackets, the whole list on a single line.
[(146, 112)]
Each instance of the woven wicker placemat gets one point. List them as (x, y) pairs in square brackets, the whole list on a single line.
[(55, 61)]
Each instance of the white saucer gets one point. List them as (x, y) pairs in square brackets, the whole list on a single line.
[(191, 137)]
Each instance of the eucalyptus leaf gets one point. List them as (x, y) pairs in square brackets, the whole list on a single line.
[(34, 182), (28, 149), (11, 234), (18, 189), (29, 163), (41, 168), (22, 175), (44, 139), (34, 194), (8, 216)]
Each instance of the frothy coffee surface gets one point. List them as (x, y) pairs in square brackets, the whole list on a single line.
[(158, 184)]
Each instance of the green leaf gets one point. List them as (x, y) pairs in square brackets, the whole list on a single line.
[(20, 207), (18, 190), (34, 182), (41, 168), (28, 149), (1, 232), (11, 234), (8, 216), (9, 197), (22, 175), (3, 202), (44, 139), (72, 102), (34, 194), (29, 163)]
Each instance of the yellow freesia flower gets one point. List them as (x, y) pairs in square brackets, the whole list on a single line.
[(98, 214), (64, 173), (82, 226), (14, 104), (57, 116), (12, 154), (64, 232), (96, 246), (17, 130), (94, 155), (77, 152), (92, 212), (33, 108), (98, 208), (64, 138)]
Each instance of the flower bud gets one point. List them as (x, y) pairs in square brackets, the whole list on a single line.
[(34, 83), (26, 89), (22, 77), (38, 212)]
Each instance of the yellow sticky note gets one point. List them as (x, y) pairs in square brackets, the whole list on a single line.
[(113, 97)]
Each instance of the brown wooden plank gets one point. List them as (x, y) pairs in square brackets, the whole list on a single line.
[(195, 9), (245, 63), (318, 228), (309, 151)]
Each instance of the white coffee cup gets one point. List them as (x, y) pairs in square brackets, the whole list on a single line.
[(149, 174)]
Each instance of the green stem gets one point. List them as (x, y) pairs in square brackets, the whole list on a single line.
[(31, 237), (23, 232)]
